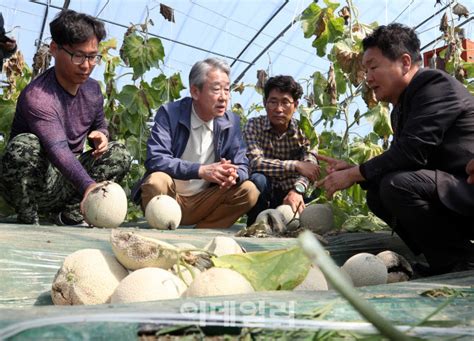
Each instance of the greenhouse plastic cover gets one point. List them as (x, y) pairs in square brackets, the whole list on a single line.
[(30, 257)]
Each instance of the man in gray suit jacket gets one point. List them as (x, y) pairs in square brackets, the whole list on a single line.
[(419, 185)]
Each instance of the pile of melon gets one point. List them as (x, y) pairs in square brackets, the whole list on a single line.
[(147, 269)]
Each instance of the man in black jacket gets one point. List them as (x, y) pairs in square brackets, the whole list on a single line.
[(419, 185)]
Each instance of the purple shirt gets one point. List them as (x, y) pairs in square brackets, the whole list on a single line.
[(61, 121)]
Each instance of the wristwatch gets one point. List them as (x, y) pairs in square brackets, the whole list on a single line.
[(300, 189)]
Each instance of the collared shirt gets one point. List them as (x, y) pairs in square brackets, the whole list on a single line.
[(200, 149), (275, 155)]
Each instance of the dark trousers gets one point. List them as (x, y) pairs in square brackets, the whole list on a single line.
[(409, 203), (32, 185), (269, 198)]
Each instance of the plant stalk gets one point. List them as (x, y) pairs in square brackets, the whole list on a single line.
[(316, 253)]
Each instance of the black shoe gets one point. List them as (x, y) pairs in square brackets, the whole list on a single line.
[(63, 220)]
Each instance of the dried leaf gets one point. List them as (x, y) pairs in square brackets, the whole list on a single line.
[(369, 96), (460, 74), (262, 77), (350, 62), (331, 87), (443, 292), (460, 11), (345, 13), (41, 60), (444, 24), (167, 12), (239, 88), (14, 65)]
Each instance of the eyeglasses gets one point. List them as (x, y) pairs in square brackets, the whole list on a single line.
[(78, 58), (285, 104)]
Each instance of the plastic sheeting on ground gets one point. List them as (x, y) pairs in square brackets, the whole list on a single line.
[(30, 257)]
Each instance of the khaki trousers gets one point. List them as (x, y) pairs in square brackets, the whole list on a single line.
[(214, 207)]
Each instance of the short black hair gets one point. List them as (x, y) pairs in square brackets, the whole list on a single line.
[(283, 84), (70, 27), (393, 41)]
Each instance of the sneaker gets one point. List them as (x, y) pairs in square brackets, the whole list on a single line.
[(63, 220)]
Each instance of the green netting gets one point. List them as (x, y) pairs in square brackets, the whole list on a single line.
[(30, 257)]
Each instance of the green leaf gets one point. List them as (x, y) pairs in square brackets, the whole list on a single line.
[(335, 27), (153, 95), (7, 111), (332, 5), (469, 68), (321, 42), (269, 270), (380, 118), (132, 98), (307, 127), (136, 147), (341, 83), (319, 88), (364, 223), (142, 54), (309, 18)]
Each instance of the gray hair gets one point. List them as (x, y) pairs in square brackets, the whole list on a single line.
[(199, 71)]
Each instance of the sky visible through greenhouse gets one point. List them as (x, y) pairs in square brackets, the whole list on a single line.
[(246, 33)]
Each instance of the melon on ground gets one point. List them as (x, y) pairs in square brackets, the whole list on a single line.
[(106, 205), (217, 282), (314, 280), (87, 276), (399, 269), (366, 269), (272, 218), (163, 212), (135, 252), (287, 213), (317, 218), (221, 246), (345, 275), (148, 284)]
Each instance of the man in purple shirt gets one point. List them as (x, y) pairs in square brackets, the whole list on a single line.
[(44, 168)]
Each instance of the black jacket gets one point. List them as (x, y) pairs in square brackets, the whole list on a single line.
[(433, 129)]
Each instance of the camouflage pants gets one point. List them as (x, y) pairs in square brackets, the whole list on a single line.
[(32, 185)]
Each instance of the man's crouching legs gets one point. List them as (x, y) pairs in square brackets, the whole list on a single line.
[(23, 176)]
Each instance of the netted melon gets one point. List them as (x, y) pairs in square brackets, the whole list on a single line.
[(148, 284), (163, 212), (287, 213), (88, 276), (399, 269), (135, 252), (317, 218), (366, 269), (106, 205), (221, 246), (314, 280), (217, 282)]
